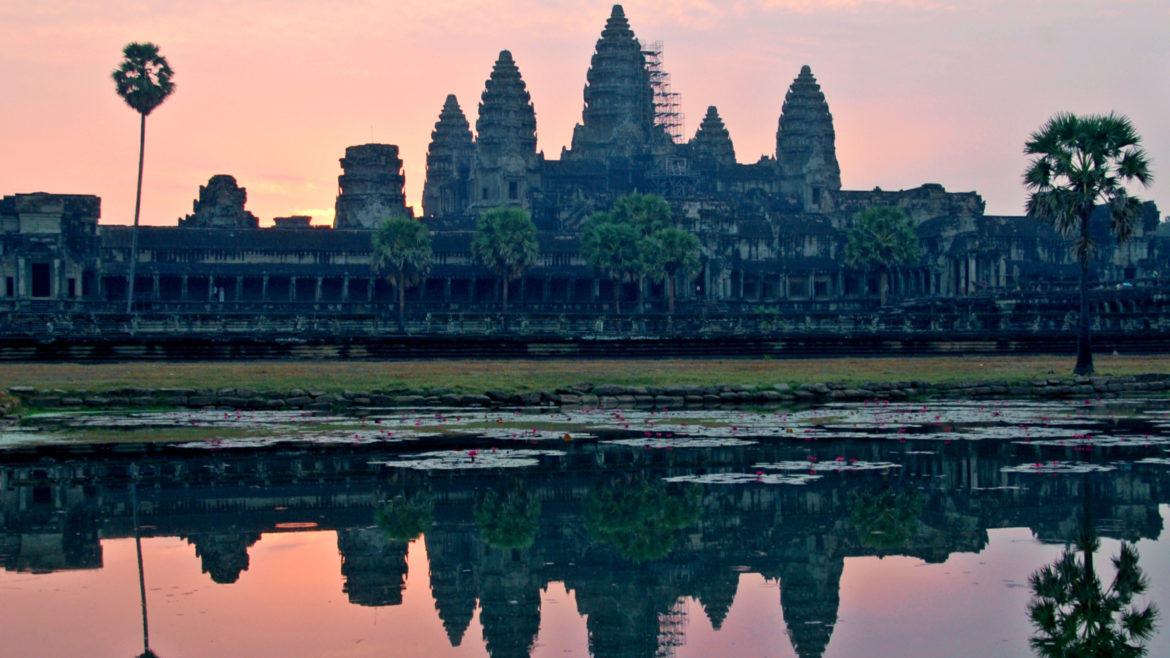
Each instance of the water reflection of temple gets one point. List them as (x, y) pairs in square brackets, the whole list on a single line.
[(54, 513)]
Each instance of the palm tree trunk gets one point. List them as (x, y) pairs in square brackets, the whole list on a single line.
[(641, 299), (401, 285), (137, 208), (1084, 349), (504, 302), (670, 296), (617, 296), (883, 284)]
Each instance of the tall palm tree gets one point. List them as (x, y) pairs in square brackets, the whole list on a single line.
[(671, 252), (1081, 161), (143, 80), (402, 249), (882, 237), (612, 249), (505, 243)]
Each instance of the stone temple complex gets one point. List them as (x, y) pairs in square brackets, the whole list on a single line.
[(772, 232)]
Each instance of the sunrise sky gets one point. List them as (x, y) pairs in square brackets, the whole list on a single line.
[(272, 91)]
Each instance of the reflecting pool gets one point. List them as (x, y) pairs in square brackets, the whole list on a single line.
[(848, 530)]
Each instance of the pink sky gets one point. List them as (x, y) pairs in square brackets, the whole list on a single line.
[(271, 91)]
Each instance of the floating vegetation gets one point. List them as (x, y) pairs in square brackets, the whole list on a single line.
[(1108, 441), (745, 478), (1058, 468), (838, 464), (452, 460), (681, 442)]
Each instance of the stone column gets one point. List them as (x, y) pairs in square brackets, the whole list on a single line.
[(183, 288), (447, 289), (264, 288), (239, 288), (292, 288), (345, 289), (317, 291), (154, 286)]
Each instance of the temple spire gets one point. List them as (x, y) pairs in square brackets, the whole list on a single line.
[(805, 147), (618, 118), (505, 146), (448, 163), (712, 142)]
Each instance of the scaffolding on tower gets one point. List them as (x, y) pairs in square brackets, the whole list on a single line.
[(666, 102)]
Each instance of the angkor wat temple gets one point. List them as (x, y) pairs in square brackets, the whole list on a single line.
[(772, 232)]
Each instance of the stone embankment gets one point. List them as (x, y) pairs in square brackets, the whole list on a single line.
[(585, 394)]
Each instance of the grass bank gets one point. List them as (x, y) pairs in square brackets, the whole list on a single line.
[(515, 376)]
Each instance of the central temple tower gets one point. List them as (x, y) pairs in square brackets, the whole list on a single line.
[(618, 119)]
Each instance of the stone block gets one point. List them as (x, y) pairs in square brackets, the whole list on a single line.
[(200, 401)]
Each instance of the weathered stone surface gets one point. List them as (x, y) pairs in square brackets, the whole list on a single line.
[(449, 157), (372, 187), (805, 142), (200, 401), (220, 205), (618, 119)]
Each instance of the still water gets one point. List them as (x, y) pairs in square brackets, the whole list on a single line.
[(851, 530)]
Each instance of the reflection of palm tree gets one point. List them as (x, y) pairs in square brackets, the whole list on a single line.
[(885, 519), (146, 652), (405, 517), (1075, 616), (508, 518), (640, 519)]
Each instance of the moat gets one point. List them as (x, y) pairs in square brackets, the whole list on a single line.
[(873, 528)]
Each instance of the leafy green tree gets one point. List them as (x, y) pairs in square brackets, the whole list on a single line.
[(405, 517), (505, 243), (1074, 616), (612, 249), (143, 80), (1081, 161), (508, 518), (647, 213), (642, 518), (402, 250), (671, 252), (881, 238)]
